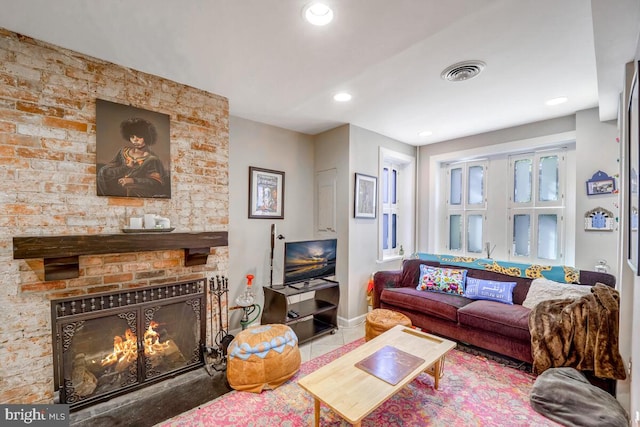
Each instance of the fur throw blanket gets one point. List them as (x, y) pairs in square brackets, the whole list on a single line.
[(580, 333)]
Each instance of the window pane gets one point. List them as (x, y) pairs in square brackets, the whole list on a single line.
[(521, 234), (385, 185), (455, 198), (548, 179), (394, 184), (476, 185), (548, 236), (522, 184), (455, 232), (394, 221), (474, 233), (385, 231)]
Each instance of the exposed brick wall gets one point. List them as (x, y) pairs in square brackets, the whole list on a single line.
[(48, 187)]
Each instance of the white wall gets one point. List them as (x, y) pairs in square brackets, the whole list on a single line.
[(363, 233), (256, 144), (331, 150), (628, 281), (596, 149), (350, 149), (347, 149)]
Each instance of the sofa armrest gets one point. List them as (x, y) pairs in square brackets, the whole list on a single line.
[(588, 277), (383, 280)]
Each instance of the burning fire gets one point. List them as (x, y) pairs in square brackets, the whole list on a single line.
[(125, 348)]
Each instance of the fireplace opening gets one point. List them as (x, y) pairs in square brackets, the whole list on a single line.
[(112, 343)]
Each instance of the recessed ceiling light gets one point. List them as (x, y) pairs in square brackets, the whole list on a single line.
[(342, 97), (318, 14), (425, 133), (557, 101)]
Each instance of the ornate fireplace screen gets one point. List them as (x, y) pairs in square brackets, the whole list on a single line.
[(112, 343)]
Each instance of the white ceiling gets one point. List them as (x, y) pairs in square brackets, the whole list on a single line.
[(277, 69)]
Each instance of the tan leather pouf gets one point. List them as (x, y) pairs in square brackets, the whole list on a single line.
[(262, 356), (381, 320)]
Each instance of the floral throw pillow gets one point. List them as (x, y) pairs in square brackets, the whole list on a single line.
[(437, 279)]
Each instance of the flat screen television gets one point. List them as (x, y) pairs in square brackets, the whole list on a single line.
[(308, 260)]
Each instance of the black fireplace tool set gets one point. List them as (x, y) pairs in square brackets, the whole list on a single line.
[(218, 287)]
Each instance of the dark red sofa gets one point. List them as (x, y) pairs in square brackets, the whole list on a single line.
[(494, 326)]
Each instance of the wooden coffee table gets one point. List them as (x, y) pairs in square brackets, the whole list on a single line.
[(353, 393)]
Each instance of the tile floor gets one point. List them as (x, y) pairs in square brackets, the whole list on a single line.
[(326, 343)]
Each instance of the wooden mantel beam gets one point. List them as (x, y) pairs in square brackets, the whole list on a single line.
[(61, 252)]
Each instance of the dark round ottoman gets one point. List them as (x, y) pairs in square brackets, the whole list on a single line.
[(381, 320)]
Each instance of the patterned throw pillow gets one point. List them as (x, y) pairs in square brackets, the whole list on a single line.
[(447, 280), (489, 290)]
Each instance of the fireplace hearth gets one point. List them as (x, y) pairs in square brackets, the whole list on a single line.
[(110, 344)]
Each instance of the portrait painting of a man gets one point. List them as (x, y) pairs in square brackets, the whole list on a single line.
[(132, 151)]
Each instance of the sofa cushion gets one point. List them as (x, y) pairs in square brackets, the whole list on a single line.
[(411, 271), (508, 320), (542, 289), (491, 290), (444, 306), (437, 279)]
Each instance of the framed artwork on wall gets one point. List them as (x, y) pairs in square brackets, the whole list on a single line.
[(599, 219), (266, 193), (132, 152), (365, 196), (633, 138), (601, 183)]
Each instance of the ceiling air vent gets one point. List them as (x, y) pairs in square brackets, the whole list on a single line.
[(462, 71)]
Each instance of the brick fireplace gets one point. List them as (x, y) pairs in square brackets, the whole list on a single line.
[(112, 343), (48, 188)]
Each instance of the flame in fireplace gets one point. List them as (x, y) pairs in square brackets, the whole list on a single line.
[(125, 348), (152, 344)]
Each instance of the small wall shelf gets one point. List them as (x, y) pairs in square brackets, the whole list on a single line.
[(61, 252)]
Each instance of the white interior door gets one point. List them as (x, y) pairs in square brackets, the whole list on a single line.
[(326, 182)]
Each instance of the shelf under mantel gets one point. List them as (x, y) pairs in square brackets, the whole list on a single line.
[(61, 252)]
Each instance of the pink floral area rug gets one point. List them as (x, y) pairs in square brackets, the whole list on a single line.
[(474, 391)]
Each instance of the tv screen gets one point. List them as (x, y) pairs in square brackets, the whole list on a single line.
[(308, 260)]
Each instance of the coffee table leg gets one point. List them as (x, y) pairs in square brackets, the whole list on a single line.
[(436, 373), (316, 412)]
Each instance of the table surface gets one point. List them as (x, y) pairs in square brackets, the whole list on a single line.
[(353, 393)]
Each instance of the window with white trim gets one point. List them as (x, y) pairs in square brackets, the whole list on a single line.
[(466, 204), (397, 190), (536, 207), (390, 209)]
